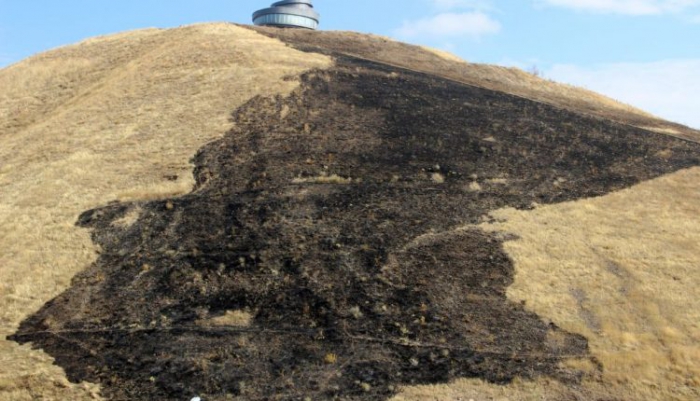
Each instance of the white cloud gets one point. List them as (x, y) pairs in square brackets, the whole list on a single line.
[(668, 89), (469, 24), (627, 7), (452, 19)]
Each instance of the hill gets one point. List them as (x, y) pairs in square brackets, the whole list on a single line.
[(365, 218)]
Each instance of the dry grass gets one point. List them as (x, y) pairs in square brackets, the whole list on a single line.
[(44, 382), (475, 187), (437, 178), (323, 178), (444, 54), (111, 118), (232, 318), (478, 390), (623, 271), (663, 130)]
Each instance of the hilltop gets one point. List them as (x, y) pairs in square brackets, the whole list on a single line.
[(221, 210)]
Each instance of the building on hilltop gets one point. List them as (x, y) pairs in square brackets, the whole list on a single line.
[(288, 14)]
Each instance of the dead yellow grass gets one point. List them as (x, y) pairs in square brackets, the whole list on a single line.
[(623, 271), (232, 318), (444, 54), (111, 118), (663, 130), (519, 390), (323, 178)]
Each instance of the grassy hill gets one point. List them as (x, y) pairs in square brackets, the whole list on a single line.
[(260, 212)]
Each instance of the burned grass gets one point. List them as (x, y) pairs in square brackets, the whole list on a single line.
[(503, 79), (356, 287)]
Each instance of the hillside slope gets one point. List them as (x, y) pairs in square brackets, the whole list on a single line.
[(112, 118), (349, 236)]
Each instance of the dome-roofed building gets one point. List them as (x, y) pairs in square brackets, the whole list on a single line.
[(288, 14)]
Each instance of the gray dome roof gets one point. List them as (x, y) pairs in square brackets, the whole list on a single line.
[(288, 13), (287, 2)]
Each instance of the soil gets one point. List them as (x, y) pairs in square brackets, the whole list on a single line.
[(339, 219)]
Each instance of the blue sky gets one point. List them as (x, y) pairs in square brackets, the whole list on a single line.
[(642, 52)]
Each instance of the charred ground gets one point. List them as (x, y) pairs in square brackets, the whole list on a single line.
[(335, 217)]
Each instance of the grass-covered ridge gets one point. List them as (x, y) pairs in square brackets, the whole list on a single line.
[(417, 148)]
